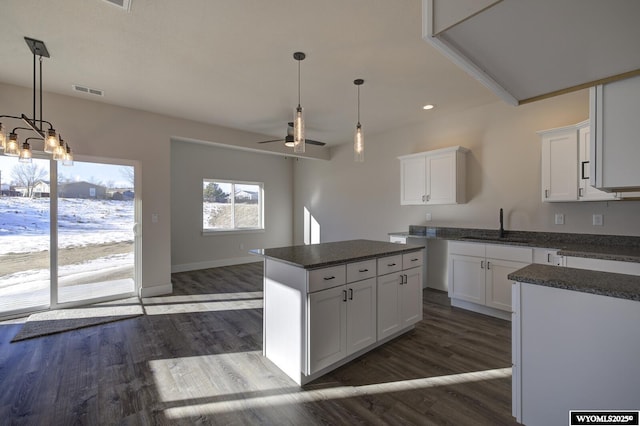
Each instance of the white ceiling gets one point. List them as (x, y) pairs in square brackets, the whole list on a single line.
[(230, 62)]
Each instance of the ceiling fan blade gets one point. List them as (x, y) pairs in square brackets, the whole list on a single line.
[(273, 140), (312, 142)]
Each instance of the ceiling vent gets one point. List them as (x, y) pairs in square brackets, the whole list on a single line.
[(87, 90), (122, 4)]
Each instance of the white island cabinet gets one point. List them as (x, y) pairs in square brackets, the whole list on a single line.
[(324, 304)]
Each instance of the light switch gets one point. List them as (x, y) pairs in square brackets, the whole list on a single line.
[(154, 218)]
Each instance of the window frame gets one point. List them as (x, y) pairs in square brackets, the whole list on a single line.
[(237, 230)]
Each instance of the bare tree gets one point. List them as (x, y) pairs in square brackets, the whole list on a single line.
[(28, 175), (128, 172)]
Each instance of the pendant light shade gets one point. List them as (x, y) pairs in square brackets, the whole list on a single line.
[(3, 138), (25, 153), (358, 139), (298, 114), (12, 149), (51, 142)]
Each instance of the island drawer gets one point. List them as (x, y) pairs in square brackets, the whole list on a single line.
[(412, 260), (389, 264), (324, 278), (361, 270)]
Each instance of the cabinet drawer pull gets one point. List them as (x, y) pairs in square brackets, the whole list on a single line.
[(482, 264), (344, 295), (548, 257), (391, 264), (488, 265), (329, 278), (546, 193), (363, 270), (414, 260), (350, 294)]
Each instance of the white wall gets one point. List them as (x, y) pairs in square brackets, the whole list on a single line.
[(97, 129), (352, 200), (192, 162)]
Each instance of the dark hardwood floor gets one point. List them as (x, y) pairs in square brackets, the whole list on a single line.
[(195, 358)]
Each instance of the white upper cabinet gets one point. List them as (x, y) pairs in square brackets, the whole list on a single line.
[(560, 164), (615, 135), (586, 192), (433, 177), (566, 165)]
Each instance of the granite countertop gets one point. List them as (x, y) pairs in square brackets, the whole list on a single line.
[(595, 282), (327, 254), (608, 247)]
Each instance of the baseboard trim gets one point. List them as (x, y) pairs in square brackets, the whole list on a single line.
[(156, 290), (185, 267)]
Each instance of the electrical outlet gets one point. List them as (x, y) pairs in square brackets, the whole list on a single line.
[(428, 217), (598, 220), (559, 219), (154, 218)]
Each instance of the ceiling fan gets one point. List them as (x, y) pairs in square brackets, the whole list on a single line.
[(288, 140)]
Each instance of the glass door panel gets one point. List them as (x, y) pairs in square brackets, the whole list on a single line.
[(96, 241), (24, 235)]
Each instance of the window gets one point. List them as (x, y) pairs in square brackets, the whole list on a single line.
[(231, 206)]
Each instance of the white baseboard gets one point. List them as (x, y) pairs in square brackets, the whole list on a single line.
[(214, 263), (156, 290)]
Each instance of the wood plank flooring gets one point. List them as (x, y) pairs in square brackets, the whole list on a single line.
[(195, 358)]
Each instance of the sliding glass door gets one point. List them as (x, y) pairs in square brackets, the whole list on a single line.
[(67, 234), (96, 242), (25, 211)]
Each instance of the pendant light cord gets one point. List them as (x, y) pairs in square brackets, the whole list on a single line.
[(298, 83), (358, 105)]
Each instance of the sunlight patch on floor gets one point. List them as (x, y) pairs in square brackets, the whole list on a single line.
[(202, 303), (175, 380)]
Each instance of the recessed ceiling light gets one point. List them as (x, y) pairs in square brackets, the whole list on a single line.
[(428, 106)]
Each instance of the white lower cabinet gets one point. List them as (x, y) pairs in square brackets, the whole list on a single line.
[(478, 273), (399, 293), (327, 327)]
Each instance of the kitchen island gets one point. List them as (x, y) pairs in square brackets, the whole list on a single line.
[(326, 304), (575, 342)]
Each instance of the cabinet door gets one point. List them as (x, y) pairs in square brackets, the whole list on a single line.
[(588, 192), (412, 181), (388, 304), (327, 327), (560, 166), (441, 178), (466, 278), (361, 315), (498, 286), (411, 297)]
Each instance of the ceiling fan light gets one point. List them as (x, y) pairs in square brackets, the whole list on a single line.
[(12, 149), (25, 153)]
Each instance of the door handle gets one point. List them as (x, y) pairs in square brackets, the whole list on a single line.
[(350, 294), (546, 193), (482, 264), (488, 265), (344, 295)]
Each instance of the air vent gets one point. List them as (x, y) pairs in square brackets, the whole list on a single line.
[(122, 4), (87, 90)]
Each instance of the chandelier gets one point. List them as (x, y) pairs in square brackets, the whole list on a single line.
[(52, 141)]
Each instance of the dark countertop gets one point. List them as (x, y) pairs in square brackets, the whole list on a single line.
[(327, 254), (595, 282), (608, 247)]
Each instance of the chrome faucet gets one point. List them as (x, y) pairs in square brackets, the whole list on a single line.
[(501, 224)]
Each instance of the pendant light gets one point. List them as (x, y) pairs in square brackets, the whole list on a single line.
[(358, 139), (36, 123), (298, 114)]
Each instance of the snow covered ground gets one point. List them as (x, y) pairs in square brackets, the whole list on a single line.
[(24, 228)]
